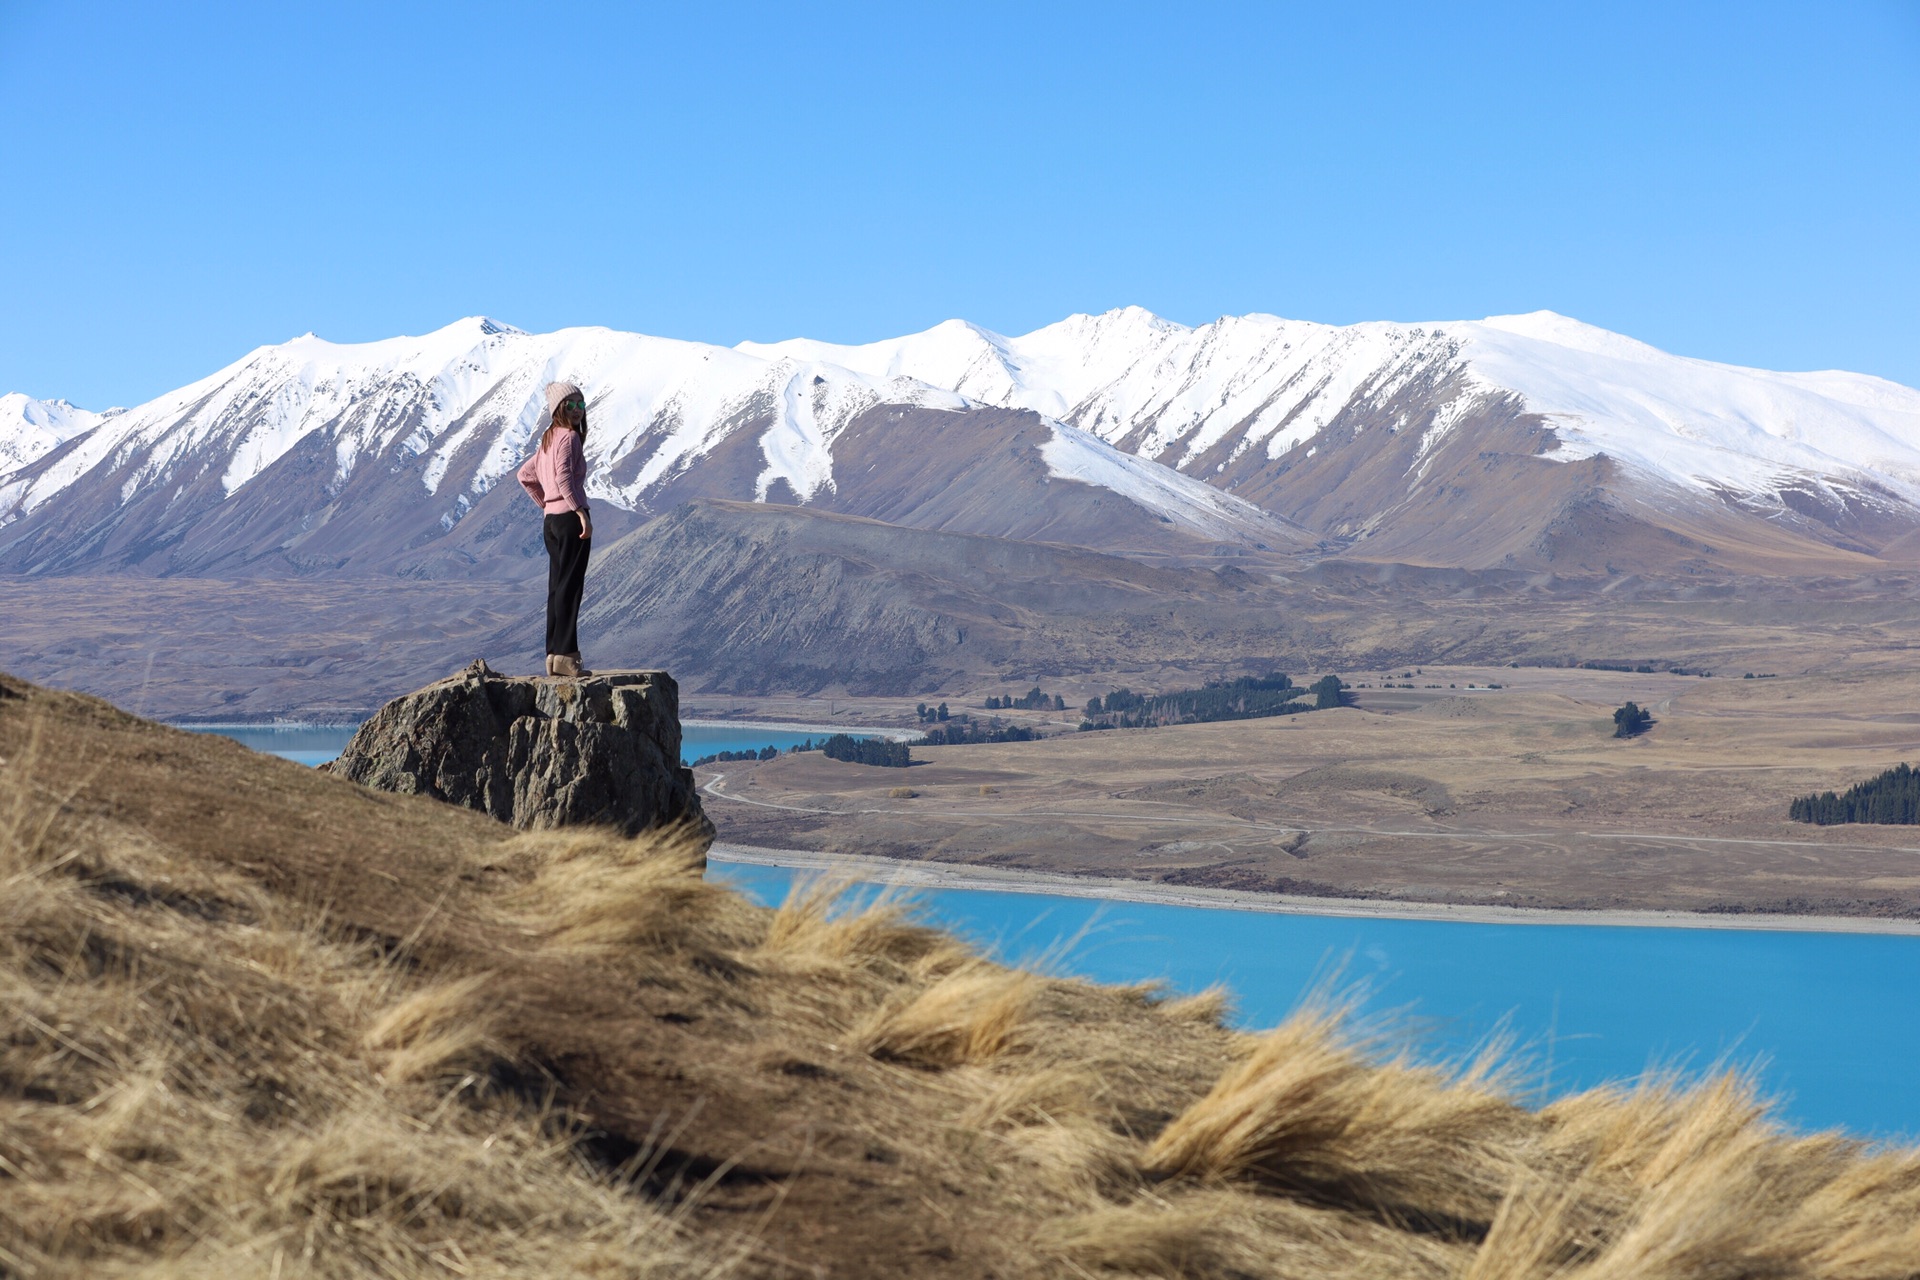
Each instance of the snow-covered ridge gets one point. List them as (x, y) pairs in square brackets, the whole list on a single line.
[(1173, 393), (30, 429), (1696, 422), (1073, 454), (474, 384), (1133, 394)]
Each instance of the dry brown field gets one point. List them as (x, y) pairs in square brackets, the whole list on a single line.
[(1444, 792)]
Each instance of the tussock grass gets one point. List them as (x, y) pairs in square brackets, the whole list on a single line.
[(831, 923), (1308, 1114), (970, 1014), (1210, 1007), (258, 1022), (225, 1085)]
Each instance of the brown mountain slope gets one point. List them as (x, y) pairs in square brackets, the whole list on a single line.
[(982, 472), (294, 519), (752, 598), (978, 471), (1395, 481), (767, 597)]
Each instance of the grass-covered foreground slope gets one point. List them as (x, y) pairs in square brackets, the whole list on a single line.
[(257, 1021)]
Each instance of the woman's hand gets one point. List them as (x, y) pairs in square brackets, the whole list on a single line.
[(586, 526)]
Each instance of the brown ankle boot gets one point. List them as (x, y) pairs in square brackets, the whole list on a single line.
[(550, 670), (568, 664)]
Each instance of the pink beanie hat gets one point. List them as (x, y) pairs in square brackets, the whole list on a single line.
[(556, 392)]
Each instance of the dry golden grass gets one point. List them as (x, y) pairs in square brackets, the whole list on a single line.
[(1311, 1116), (970, 1014), (463, 1052), (227, 1087), (1208, 1008)]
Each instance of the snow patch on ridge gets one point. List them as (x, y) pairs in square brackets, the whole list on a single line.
[(31, 429), (1073, 454), (1695, 423)]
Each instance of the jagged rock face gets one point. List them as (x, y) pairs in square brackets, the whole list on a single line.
[(537, 753)]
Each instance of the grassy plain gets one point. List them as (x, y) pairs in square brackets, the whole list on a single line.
[(1517, 796), (257, 1021)]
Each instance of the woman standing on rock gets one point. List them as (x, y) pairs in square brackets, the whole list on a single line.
[(556, 477)]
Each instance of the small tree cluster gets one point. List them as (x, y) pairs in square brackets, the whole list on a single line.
[(1244, 698), (874, 751), (1630, 720), (725, 757), (1032, 700), (1327, 693), (931, 715), (965, 732), (1893, 798)]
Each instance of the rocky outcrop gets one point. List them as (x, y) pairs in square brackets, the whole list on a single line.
[(538, 753)]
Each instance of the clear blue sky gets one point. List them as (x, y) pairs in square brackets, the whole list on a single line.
[(186, 182)]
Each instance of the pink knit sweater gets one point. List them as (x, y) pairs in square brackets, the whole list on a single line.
[(556, 475)]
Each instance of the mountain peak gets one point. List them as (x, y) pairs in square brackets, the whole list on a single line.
[(1130, 319), (30, 428), (1575, 335), (475, 326)]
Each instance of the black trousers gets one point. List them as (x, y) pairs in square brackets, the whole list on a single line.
[(566, 579)]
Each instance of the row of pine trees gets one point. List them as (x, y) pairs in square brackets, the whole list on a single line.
[(1893, 797)]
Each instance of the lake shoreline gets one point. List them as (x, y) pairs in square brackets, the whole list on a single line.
[(794, 726), (944, 875)]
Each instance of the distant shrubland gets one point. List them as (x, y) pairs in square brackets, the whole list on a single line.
[(728, 757), (966, 731), (1631, 720), (1243, 698), (1032, 700), (874, 751)]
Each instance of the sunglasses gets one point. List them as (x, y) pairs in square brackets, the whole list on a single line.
[(580, 405)]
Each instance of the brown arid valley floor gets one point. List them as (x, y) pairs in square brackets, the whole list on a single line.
[(258, 1021), (1516, 796)]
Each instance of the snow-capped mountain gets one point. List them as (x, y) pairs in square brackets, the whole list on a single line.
[(1263, 385), (476, 382), (30, 429), (1247, 400), (313, 456), (1517, 440)]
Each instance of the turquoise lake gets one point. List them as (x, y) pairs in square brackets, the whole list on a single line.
[(1830, 1021), (317, 744)]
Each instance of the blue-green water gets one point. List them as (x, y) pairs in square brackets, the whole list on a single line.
[(1829, 1019), (315, 745), (304, 744), (698, 740)]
